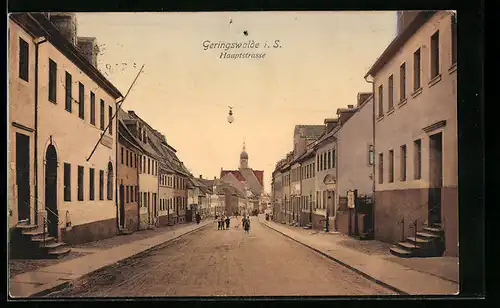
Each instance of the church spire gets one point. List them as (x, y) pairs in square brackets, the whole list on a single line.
[(244, 157)]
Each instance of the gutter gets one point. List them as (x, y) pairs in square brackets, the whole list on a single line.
[(373, 141), (38, 41)]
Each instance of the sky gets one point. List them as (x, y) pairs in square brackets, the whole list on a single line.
[(184, 91)]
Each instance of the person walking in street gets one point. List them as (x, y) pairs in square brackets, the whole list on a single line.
[(222, 220), (246, 224), (228, 221), (198, 218)]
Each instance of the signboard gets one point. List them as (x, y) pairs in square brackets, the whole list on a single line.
[(296, 189), (350, 199)]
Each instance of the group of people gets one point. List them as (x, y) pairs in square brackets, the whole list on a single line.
[(223, 222)]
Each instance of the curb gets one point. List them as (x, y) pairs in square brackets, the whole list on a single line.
[(388, 286), (66, 284)]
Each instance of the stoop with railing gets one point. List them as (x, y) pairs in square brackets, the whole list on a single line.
[(426, 242), (29, 241)]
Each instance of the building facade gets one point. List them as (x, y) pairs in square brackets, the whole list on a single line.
[(416, 176), (308, 188), (325, 171), (76, 186), (128, 178), (21, 114), (354, 144)]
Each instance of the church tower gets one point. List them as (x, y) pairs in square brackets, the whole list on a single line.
[(244, 158)]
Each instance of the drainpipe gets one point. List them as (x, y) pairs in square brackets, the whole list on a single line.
[(337, 152), (38, 41), (372, 81)]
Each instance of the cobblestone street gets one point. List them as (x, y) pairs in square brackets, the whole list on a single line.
[(225, 263)]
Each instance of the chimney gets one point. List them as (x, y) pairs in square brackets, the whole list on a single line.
[(201, 177), (89, 49), (331, 124), (66, 24), (363, 96)]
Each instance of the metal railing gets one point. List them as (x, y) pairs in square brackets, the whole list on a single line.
[(414, 223), (46, 220)]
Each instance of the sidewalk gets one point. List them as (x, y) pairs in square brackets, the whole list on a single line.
[(95, 256), (372, 259)]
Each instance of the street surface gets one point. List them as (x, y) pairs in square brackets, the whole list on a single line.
[(213, 262)]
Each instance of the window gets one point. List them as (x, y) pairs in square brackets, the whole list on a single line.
[(110, 181), (403, 163), (121, 154), (333, 158), (131, 159), (380, 100), (324, 161), (126, 158), (102, 115), (391, 166), (318, 162), (131, 193), (417, 144), (135, 160), (402, 82), (52, 81), (91, 184), (453, 39), (149, 165), (329, 160), (381, 168), (68, 90), (371, 155), (435, 55), (81, 101), (140, 164), (391, 92), (314, 170), (127, 194), (110, 116), (101, 184), (24, 60), (136, 190), (92, 108), (80, 183), (416, 70), (67, 182)]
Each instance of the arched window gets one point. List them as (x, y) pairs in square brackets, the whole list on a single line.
[(110, 181)]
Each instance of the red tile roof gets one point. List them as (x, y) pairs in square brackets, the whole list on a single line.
[(259, 174)]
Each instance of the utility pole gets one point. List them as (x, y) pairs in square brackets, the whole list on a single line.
[(119, 105)]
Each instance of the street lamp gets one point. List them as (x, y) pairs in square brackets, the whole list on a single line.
[(230, 117)]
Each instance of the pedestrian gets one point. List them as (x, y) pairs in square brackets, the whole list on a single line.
[(198, 218), (246, 224), (219, 226), (228, 221), (222, 223)]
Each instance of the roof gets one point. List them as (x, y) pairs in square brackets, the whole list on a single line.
[(399, 41), (259, 174), (309, 131), (38, 24), (146, 146)]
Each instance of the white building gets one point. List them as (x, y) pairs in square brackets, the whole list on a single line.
[(75, 190), (416, 144)]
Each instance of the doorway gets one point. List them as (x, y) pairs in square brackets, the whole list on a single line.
[(435, 177), (122, 206), (51, 191), (23, 176)]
